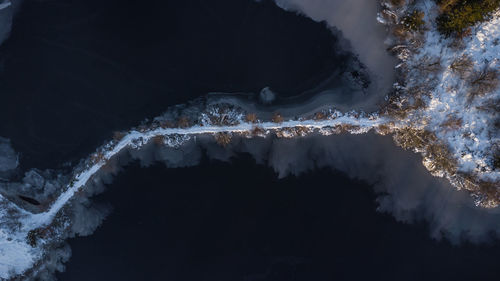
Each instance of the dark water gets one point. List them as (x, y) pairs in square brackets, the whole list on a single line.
[(73, 71), (237, 221)]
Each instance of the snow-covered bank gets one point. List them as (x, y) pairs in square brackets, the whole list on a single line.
[(432, 113), (26, 236), (449, 89)]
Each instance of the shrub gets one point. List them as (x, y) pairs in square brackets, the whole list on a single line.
[(398, 3), (183, 122), (462, 66), (159, 140), (277, 118), (318, 116), (251, 117), (33, 236), (452, 123), (223, 139), (413, 21), (457, 16), (446, 5), (409, 138), (496, 161), (258, 131), (167, 124), (118, 136), (483, 82)]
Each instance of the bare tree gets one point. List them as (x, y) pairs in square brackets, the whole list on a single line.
[(483, 82), (462, 66)]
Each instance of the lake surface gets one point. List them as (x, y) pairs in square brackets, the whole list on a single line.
[(236, 221), (75, 71)]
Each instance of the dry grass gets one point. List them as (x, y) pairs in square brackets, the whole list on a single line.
[(299, 131), (490, 189), (159, 140), (446, 5), (167, 124), (118, 136), (410, 138), (428, 65), (383, 130), (400, 32), (398, 3), (345, 128), (223, 139), (183, 122), (97, 157), (492, 106), (413, 21), (442, 159), (277, 118), (251, 118), (318, 116), (452, 123), (258, 131)]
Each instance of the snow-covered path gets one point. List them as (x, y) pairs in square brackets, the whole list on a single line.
[(17, 255)]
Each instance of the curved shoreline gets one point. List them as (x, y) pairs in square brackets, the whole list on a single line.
[(34, 234)]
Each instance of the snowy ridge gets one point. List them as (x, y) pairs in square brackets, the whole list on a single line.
[(473, 140), (16, 253), (449, 87)]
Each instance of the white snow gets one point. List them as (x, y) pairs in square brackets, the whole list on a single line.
[(471, 143), (16, 255)]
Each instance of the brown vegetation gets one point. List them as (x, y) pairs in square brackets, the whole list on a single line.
[(462, 66), (251, 117), (299, 131), (459, 15), (97, 157), (446, 5), (183, 122), (383, 130), (410, 138), (33, 236), (223, 139), (398, 3), (429, 65), (164, 124), (442, 159), (318, 116), (483, 82), (400, 32), (222, 116), (345, 128), (258, 131), (413, 21), (490, 189), (277, 118), (118, 136), (159, 140), (452, 123)]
